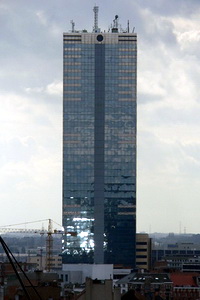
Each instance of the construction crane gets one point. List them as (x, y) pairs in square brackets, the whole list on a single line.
[(49, 239)]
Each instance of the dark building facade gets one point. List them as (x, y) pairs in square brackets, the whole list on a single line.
[(99, 147)]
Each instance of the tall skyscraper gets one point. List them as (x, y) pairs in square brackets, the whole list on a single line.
[(99, 145)]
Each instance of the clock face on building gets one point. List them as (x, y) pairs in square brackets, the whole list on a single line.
[(99, 37)]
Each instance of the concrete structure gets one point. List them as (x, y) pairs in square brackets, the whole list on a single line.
[(143, 251), (98, 290), (77, 273), (99, 146)]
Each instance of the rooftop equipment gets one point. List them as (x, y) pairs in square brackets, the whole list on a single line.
[(115, 24), (73, 25), (96, 10)]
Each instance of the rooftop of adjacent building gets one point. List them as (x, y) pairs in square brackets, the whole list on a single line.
[(136, 278), (115, 26), (185, 279), (177, 279)]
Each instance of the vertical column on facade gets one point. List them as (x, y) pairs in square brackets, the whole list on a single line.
[(99, 153)]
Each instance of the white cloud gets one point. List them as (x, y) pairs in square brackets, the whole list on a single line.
[(54, 88), (42, 17), (168, 128), (30, 160), (189, 36), (151, 85), (34, 90)]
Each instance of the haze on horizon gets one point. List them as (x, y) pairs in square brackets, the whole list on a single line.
[(168, 107)]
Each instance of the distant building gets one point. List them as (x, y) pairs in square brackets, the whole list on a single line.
[(41, 262), (176, 255), (193, 265), (99, 145), (143, 251)]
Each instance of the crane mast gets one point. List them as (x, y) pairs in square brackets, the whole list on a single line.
[(49, 246), (49, 238)]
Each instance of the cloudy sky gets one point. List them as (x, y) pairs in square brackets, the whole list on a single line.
[(168, 197)]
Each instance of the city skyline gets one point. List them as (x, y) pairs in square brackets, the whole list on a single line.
[(168, 108)]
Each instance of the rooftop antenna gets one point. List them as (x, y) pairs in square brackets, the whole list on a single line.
[(73, 25), (95, 10), (180, 228), (128, 26), (115, 22)]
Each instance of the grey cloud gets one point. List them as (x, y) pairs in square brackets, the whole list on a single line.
[(171, 8), (168, 160), (192, 150), (169, 116), (150, 147), (189, 167), (147, 98), (156, 31), (27, 50)]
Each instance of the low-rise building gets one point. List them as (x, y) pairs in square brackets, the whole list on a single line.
[(147, 284), (143, 251), (41, 262), (185, 285), (99, 290)]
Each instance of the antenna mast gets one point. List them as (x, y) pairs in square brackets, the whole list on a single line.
[(73, 25), (95, 10), (115, 22)]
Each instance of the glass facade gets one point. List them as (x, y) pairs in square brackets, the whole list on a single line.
[(99, 148)]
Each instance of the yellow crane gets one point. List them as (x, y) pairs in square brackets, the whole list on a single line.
[(49, 232)]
